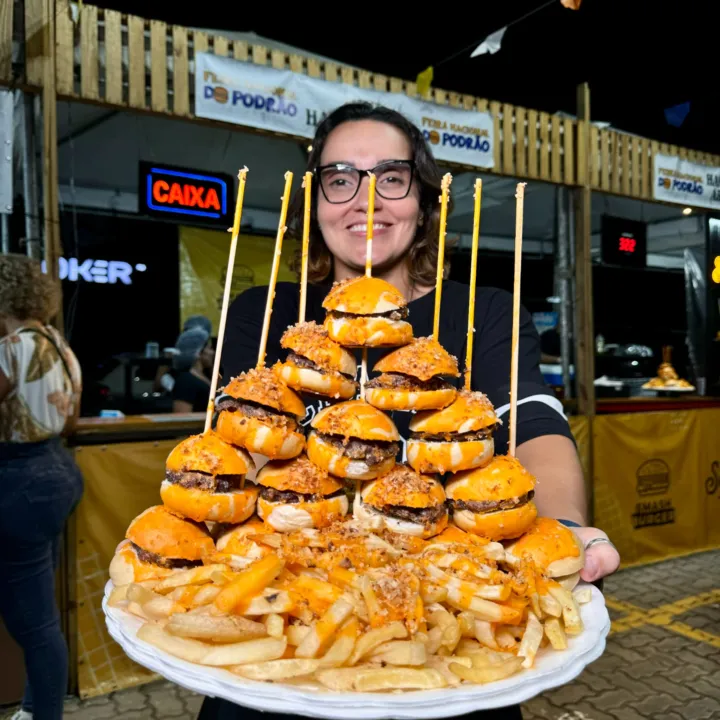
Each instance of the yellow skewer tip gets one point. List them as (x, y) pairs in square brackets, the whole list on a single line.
[(447, 179), (520, 190), (242, 173)]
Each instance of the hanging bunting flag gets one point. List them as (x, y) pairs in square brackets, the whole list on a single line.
[(676, 115), (491, 44), (571, 4), (424, 80)]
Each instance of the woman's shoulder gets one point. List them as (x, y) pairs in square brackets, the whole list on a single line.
[(485, 296)]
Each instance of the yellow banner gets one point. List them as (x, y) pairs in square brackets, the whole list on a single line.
[(203, 265), (657, 482)]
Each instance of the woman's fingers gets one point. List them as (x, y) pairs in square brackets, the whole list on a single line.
[(602, 559)]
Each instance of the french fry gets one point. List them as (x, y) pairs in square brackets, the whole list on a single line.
[(319, 593), (372, 680), (505, 639), (372, 639), (275, 625), (442, 665), (192, 576), (159, 608), (535, 605), (435, 638), (466, 621), (489, 673), (118, 596), (227, 629), (268, 602), (432, 593), (248, 584), (400, 652), (322, 632), (373, 606), (296, 633), (555, 633), (582, 595), (571, 613), (277, 669), (340, 679), (531, 640), (550, 606), (340, 651), (485, 633)]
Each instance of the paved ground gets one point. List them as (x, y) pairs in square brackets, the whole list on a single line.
[(662, 660)]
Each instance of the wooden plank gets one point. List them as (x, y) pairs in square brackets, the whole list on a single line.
[(348, 75), (495, 111), (692, 156), (397, 85), (664, 149), (200, 42), (313, 68), (259, 54), (673, 150), (296, 63), (240, 50), (113, 58), (507, 139), (555, 143), (411, 89), (683, 153), (625, 167), (439, 96), (455, 100), (594, 157), (380, 83), (89, 61), (582, 158), (468, 102), (645, 168), (181, 71), (158, 65), (331, 72), (6, 33), (568, 152), (615, 151), (544, 146), (364, 80), (35, 39), (481, 105), (604, 159), (520, 138), (635, 167), (221, 46), (64, 46), (532, 151), (136, 61), (278, 59)]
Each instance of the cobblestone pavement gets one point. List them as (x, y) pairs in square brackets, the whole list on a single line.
[(662, 660)]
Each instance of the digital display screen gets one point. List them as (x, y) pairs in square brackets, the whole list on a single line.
[(624, 242)]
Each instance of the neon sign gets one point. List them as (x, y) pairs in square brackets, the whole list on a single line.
[(168, 191)]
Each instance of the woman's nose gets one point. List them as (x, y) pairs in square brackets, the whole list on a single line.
[(362, 196)]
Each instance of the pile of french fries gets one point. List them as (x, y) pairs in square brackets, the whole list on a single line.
[(350, 610)]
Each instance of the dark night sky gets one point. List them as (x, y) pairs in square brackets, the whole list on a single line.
[(638, 57)]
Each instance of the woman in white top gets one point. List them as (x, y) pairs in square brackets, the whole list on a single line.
[(40, 485)]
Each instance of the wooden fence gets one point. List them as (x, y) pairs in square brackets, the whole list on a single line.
[(119, 60)]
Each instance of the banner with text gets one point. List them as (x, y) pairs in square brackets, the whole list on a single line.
[(283, 101), (680, 181)]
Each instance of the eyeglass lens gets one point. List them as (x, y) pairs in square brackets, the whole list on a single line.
[(340, 182)]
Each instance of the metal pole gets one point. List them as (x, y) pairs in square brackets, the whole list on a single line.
[(5, 234), (561, 286), (30, 178)]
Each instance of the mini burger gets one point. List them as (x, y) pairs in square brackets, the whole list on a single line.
[(412, 378), (260, 413), (367, 312), (494, 501), (157, 544), (316, 364), (554, 548), (458, 437), (295, 494), (404, 502), (353, 440), (205, 480), (241, 545)]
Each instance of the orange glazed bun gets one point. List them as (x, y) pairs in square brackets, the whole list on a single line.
[(259, 412), (554, 548), (458, 437), (366, 312), (316, 364), (353, 440), (158, 543), (238, 546), (494, 501), (404, 502), (295, 494), (204, 480), (424, 358)]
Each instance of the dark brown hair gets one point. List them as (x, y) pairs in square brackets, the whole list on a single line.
[(423, 253)]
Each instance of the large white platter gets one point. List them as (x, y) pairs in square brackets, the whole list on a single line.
[(551, 669)]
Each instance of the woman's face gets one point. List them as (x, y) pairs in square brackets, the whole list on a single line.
[(365, 144), (207, 356)]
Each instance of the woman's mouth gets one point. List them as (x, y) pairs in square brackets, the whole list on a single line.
[(361, 228)]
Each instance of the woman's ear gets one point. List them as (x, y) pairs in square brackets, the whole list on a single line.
[(421, 220)]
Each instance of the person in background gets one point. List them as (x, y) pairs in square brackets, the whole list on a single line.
[(165, 377), (40, 386), (192, 361)]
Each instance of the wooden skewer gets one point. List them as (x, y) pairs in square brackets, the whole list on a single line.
[(242, 177), (275, 267), (368, 268), (307, 184), (519, 209), (473, 282), (447, 179)]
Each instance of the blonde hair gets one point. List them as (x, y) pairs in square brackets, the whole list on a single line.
[(26, 292)]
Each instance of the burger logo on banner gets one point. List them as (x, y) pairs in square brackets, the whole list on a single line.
[(712, 482), (653, 479)]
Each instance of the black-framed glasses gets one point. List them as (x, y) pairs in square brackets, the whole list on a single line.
[(340, 182)]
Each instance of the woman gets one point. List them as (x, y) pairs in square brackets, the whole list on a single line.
[(192, 362), (349, 142), (40, 385)]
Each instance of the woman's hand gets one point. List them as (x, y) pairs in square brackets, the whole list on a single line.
[(602, 559)]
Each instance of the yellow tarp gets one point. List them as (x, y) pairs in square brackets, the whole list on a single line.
[(203, 265)]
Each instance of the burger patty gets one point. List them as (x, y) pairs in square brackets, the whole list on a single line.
[(302, 362), (399, 314), (290, 496), (255, 410), (424, 516), (168, 563), (487, 506), (398, 381), (197, 480), (484, 434), (373, 452)]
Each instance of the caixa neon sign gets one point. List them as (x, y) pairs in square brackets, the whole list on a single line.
[(97, 271)]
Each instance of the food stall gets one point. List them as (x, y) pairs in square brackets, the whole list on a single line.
[(649, 462)]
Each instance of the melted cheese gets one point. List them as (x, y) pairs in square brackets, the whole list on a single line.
[(441, 457)]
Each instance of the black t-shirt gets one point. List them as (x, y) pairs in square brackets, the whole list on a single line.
[(191, 389), (539, 411)]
